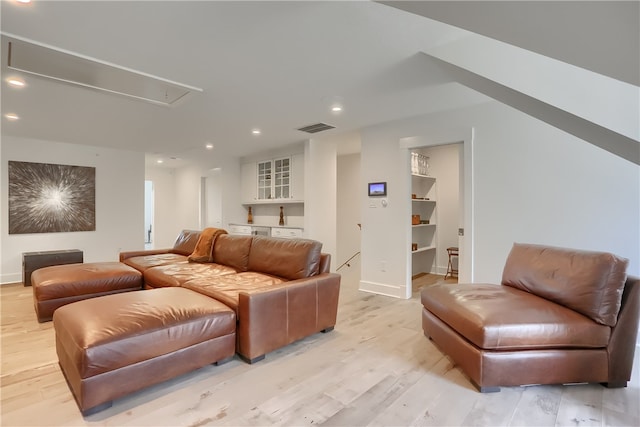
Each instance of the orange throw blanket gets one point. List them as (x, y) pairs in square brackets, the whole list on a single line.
[(204, 248)]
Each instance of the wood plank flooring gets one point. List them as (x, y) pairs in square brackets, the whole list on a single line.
[(376, 368)]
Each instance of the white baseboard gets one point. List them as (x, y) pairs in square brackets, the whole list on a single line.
[(383, 289), (5, 279)]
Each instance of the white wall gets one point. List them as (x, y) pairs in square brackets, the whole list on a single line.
[(348, 210), (213, 199), (119, 203), (532, 183), (187, 197), (320, 174)]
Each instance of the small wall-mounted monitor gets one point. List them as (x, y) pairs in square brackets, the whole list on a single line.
[(377, 189)]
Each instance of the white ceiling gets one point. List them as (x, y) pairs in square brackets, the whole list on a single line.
[(276, 66), (602, 36), (271, 65)]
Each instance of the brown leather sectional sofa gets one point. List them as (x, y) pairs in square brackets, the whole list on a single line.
[(282, 290), (559, 316)]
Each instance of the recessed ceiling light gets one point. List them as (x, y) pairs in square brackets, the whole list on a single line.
[(256, 131), (23, 1), (336, 108), (159, 161), (12, 116), (209, 146), (15, 82)]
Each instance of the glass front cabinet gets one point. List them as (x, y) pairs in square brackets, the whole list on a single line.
[(281, 175), (278, 180), (265, 181)]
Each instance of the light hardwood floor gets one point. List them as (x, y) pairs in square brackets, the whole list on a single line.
[(376, 368)]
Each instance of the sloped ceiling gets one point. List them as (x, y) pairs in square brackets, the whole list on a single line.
[(602, 36), (596, 55)]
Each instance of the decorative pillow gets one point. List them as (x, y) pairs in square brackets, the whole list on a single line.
[(202, 252), (590, 283)]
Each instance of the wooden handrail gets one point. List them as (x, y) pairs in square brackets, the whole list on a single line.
[(347, 261)]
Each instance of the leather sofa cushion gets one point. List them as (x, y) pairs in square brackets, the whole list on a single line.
[(63, 281), (227, 288), (141, 263), (288, 258), (588, 282), (186, 242), (177, 274), (495, 317), (111, 332), (232, 250)]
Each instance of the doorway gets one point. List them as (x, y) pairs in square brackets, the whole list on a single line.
[(437, 219), (463, 139)]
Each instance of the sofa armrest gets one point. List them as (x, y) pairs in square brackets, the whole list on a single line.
[(325, 263), (131, 254), (277, 316), (622, 344)]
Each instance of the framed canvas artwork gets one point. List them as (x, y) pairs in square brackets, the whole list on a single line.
[(48, 198)]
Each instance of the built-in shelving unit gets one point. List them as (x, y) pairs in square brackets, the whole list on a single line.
[(423, 234)]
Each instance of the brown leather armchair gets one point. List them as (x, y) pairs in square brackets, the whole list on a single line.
[(560, 316)]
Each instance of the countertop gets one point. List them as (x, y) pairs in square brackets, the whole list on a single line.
[(266, 225)]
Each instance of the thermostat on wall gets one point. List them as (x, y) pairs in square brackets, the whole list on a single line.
[(377, 189)]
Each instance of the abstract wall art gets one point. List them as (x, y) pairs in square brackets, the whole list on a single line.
[(47, 198)]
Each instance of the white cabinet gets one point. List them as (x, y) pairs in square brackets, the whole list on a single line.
[(285, 232), (263, 230), (244, 230), (423, 223), (278, 180)]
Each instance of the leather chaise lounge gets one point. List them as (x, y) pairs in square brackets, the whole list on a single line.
[(560, 316)]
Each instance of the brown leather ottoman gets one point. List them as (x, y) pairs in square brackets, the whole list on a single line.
[(114, 345), (56, 286)]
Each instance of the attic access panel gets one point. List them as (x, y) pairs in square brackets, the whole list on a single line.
[(71, 68)]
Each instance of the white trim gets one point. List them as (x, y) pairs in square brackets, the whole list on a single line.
[(395, 291), (7, 279)]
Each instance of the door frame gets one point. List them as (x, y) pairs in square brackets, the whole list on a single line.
[(444, 137)]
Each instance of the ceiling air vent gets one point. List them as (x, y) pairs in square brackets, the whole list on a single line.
[(68, 67), (317, 127)]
